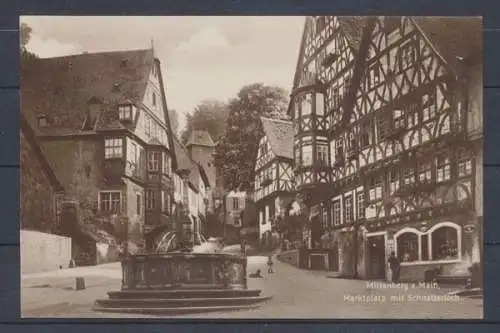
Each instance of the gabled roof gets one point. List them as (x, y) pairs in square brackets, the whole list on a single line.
[(185, 163), (200, 138), (454, 38), (30, 137), (279, 134), (62, 87)]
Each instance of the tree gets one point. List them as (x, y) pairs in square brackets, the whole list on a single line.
[(25, 36), (236, 151), (209, 115), (173, 117)]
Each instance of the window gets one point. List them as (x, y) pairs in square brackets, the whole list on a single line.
[(351, 142), (109, 201), (443, 168), (399, 121), (348, 209), (261, 217), (361, 205), (307, 155), (322, 154), (139, 203), (464, 164), (374, 76), (428, 107), (151, 199), (153, 98), (154, 161), (339, 150), (407, 56), (324, 220), (407, 247), (236, 203), (113, 148), (320, 104), (444, 243), (424, 172), (393, 181), (409, 175), (165, 201), (375, 192), (125, 112), (134, 154), (366, 135), (167, 166), (412, 114), (382, 129), (185, 193), (336, 213), (306, 105)]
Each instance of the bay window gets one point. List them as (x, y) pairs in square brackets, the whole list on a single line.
[(167, 166), (320, 104), (151, 199), (154, 161), (322, 154), (307, 155), (113, 148), (306, 105), (110, 201)]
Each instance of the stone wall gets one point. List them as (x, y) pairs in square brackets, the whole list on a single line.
[(43, 252)]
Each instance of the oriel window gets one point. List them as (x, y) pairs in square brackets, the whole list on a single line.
[(113, 148), (322, 154), (151, 199), (154, 161), (109, 201), (125, 112)]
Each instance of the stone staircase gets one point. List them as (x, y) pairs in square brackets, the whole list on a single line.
[(179, 301)]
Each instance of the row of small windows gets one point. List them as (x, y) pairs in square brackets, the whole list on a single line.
[(111, 201), (156, 161), (344, 211), (437, 170)]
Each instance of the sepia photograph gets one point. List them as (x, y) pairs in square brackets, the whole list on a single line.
[(251, 167)]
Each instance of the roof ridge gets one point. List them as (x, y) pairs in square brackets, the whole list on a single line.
[(95, 53)]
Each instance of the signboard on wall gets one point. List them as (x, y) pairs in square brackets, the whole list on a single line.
[(469, 228)]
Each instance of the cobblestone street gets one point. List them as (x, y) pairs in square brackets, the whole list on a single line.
[(296, 294)]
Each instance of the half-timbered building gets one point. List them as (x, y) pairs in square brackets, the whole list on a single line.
[(402, 147), (273, 189)]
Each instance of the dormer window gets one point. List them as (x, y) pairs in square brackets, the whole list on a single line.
[(43, 120), (93, 109), (125, 112)]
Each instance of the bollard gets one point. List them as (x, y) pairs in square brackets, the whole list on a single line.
[(80, 283)]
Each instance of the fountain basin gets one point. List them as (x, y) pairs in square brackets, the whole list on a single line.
[(182, 283), (178, 270)]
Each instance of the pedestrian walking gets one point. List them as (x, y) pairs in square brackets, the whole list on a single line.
[(395, 265), (270, 265)]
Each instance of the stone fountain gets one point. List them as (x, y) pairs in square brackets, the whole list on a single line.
[(177, 278)]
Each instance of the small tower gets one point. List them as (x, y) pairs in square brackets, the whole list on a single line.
[(201, 147)]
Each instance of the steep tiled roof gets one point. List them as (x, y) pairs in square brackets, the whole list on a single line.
[(30, 137), (455, 38), (184, 162), (200, 138), (279, 133), (62, 87)]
